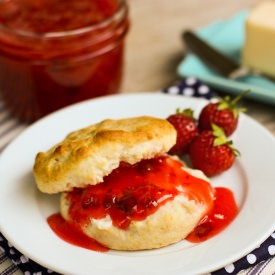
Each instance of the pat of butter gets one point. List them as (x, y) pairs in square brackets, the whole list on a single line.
[(259, 45)]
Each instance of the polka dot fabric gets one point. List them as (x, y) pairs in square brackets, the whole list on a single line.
[(255, 261), (191, 87), (26, 265), (264, 252)]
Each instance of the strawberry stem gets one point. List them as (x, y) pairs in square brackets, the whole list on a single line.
[(226, 103), (239, 97)]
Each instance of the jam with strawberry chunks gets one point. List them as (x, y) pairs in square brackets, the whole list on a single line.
[(133, 192), (57, 52)]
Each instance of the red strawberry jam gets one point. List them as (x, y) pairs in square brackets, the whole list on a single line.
[(133, 192), (57, 52)]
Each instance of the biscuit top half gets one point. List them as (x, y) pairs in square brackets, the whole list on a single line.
[(85, 156)]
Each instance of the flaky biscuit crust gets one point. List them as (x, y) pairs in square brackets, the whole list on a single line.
[(85, 156)]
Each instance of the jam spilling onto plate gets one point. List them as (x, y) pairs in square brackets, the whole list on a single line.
[(223, 213), (133, 192), (71, 234)]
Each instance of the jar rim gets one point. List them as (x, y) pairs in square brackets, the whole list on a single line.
[(122, 9)]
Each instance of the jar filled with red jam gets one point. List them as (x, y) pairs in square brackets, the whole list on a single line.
[(57, 52)]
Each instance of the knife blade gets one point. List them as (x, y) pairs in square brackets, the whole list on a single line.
[(216, 60)]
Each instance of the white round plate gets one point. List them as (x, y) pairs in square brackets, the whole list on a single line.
[(24, 209)]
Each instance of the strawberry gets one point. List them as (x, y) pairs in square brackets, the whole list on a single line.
[(223, 113), (211, 153), (186, 127)]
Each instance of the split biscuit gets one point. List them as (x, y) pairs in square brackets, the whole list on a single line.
[(85, 156)]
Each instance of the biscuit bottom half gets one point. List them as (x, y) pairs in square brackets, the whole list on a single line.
[(171, 223), (151, 204)]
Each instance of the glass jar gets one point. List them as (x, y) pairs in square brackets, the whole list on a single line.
[(57, 52)]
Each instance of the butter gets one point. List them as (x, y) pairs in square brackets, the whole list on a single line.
[(259, 45)]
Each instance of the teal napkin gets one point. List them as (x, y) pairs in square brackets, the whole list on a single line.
[(228, 37)]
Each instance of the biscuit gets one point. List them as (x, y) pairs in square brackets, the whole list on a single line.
[(171, 223), (85, 156)]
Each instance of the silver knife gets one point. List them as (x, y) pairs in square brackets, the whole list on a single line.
[(216, 60)]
